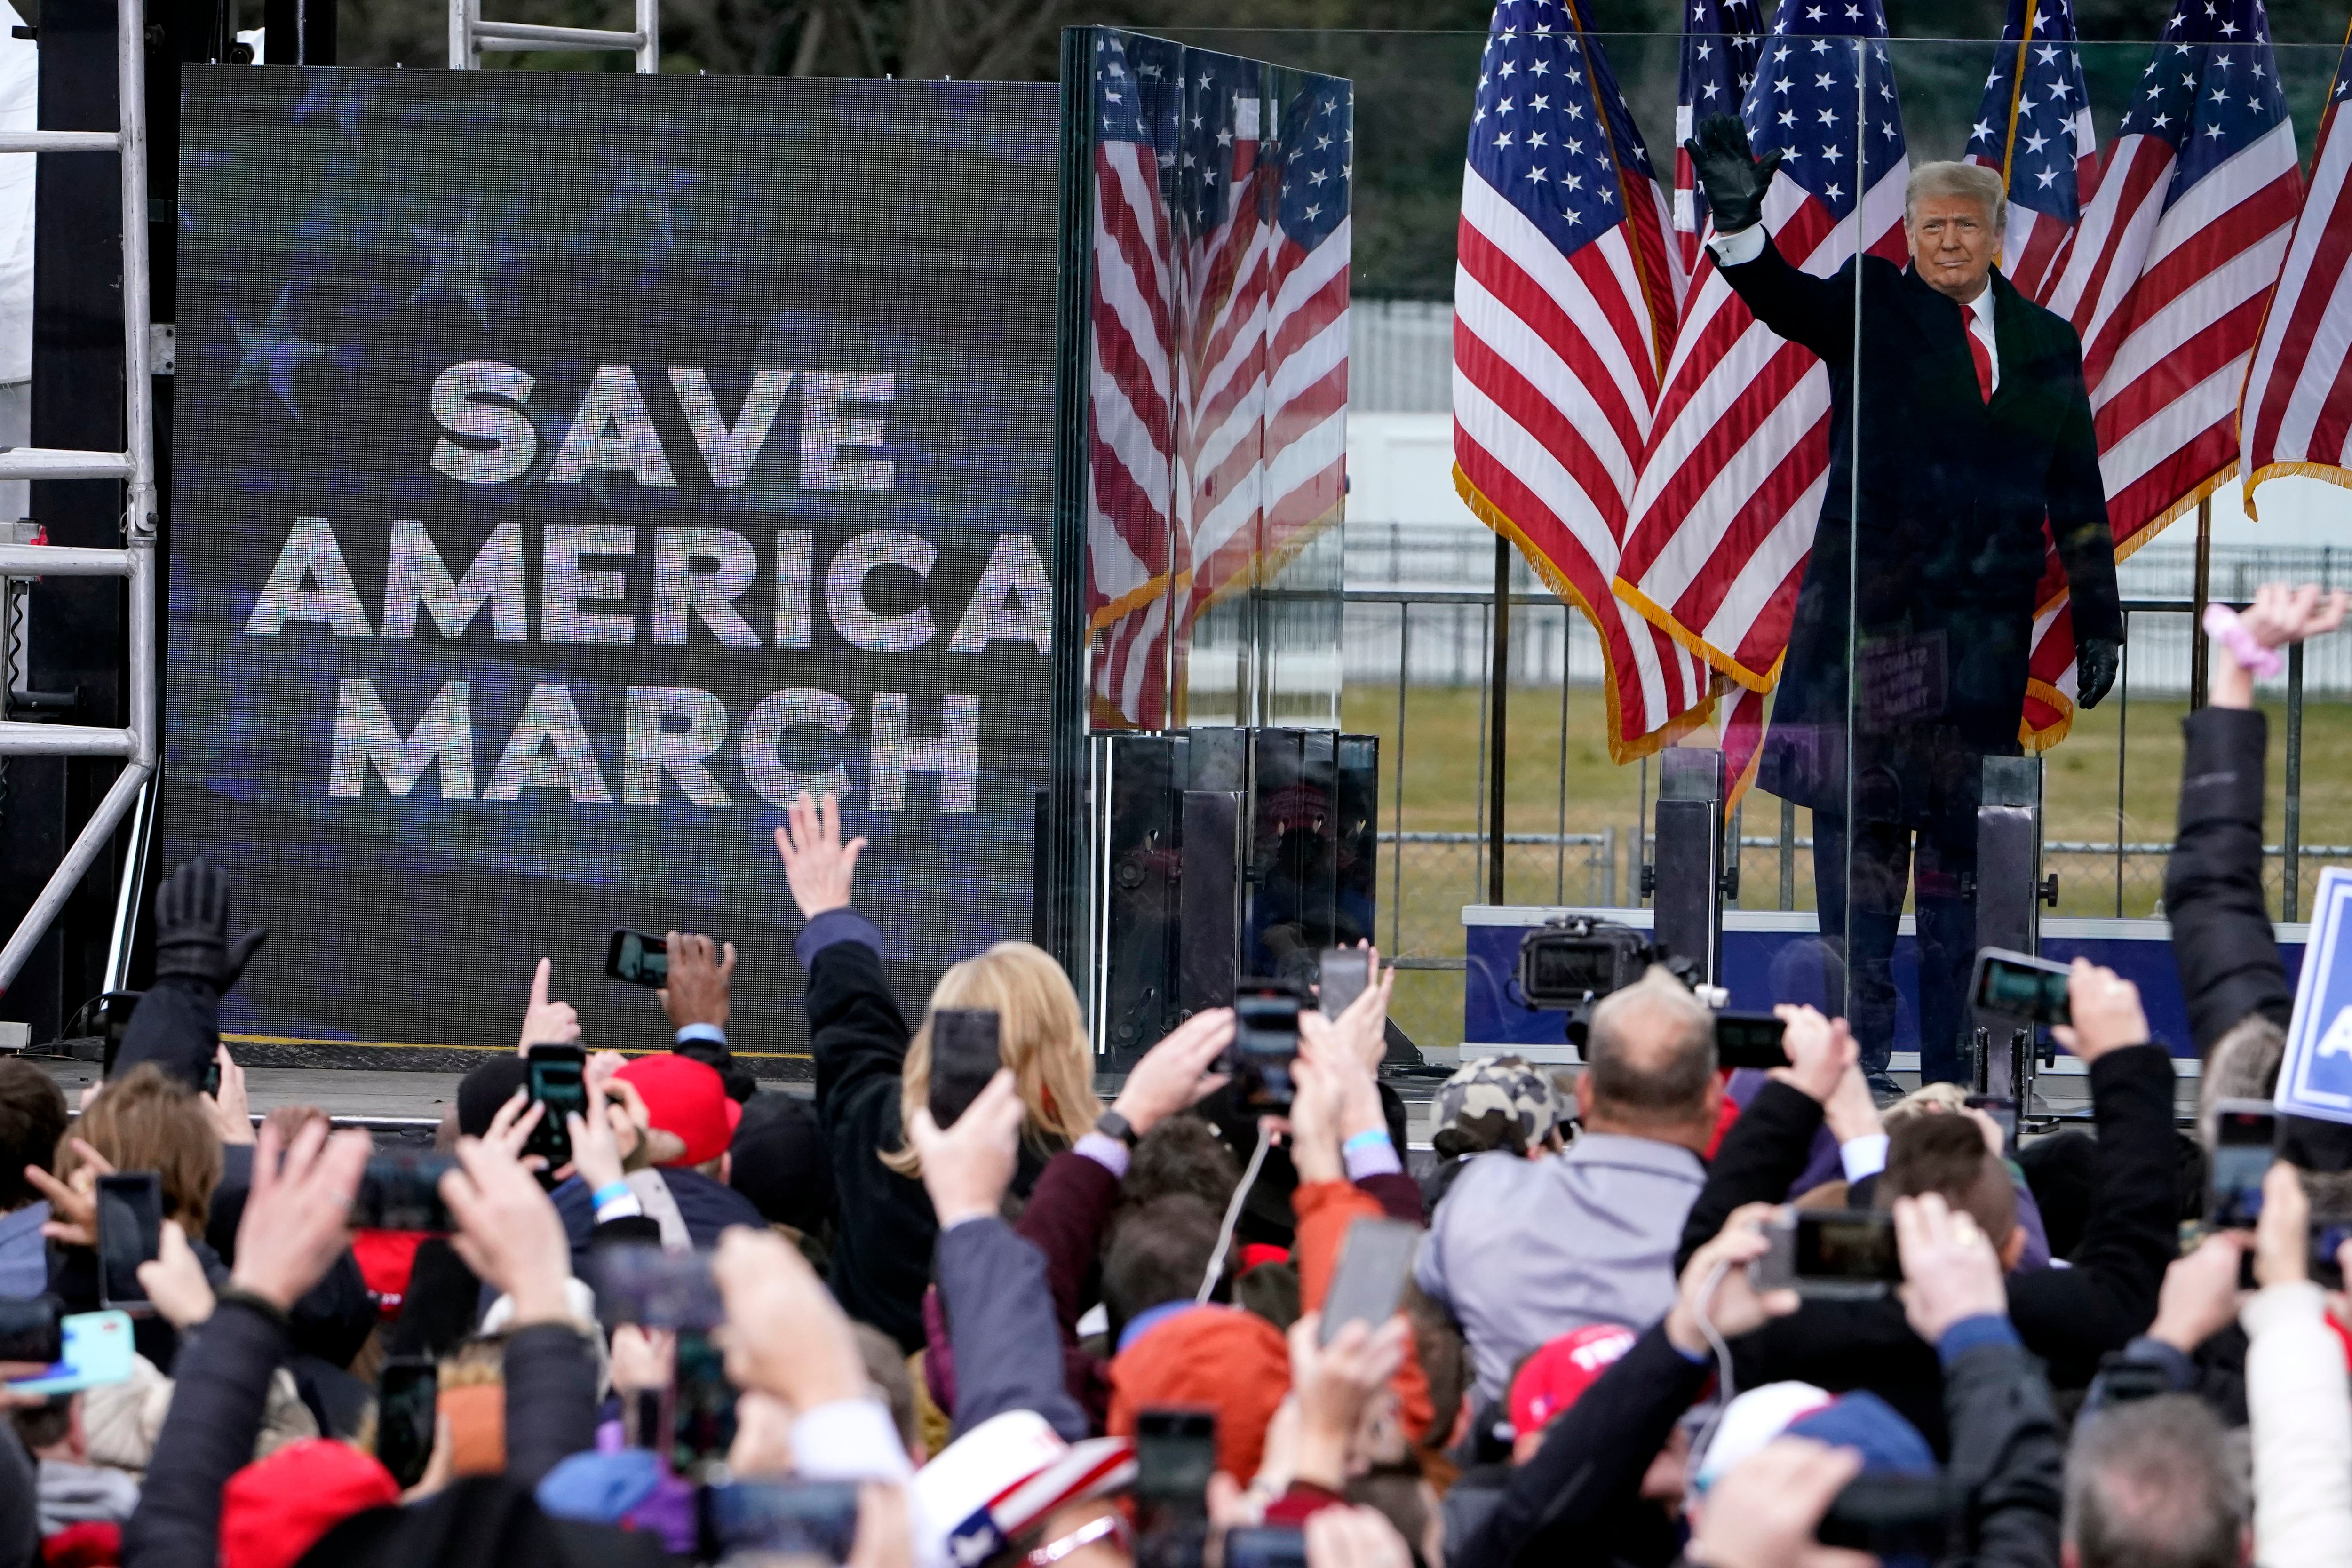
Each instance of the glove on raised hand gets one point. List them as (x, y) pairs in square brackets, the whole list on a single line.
[(2095, 660), (192, 928), (1735, 180)]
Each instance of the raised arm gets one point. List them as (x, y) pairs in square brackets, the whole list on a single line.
[(1815, 312), (1772, 1142)]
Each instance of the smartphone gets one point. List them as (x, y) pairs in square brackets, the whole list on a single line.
[(637, 958), (1266, 1042), (1267, 1546), (2245, 1142), (2020, 986), (2123, 1380), (638, 1282), (31, 1331), (1345, 973), (130, 1229), (964, 1056), (1750, 1040), (406, 1401), (403, 1191), (1175, 1455), (1831, 1254), (2004, 1116), (1374, 1260), (702, 1408), (1895, 1516), (212, 1078), (761, 1521), (557, 1080), (97, 1351)]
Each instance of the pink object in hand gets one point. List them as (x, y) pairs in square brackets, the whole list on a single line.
[(2222, 625)]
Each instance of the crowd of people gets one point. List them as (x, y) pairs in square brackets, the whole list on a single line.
[(1060, 1334)]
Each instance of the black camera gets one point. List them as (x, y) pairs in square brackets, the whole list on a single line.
[(1573, 960)]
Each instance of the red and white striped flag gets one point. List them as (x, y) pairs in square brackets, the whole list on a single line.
[(2296, 415), (1720, 42), (2034, 129), (1219, 378), (2166, 284), (1565, 293), (1738, 456)]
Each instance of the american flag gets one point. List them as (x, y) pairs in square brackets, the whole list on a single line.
[(1131, 376), (1720, 47), (2166, 285), (1218, 383), (2034, 129), (1565, 295), (2296, 415), (1739, 458)]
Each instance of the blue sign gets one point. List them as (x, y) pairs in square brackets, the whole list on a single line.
[(2317, 1078)]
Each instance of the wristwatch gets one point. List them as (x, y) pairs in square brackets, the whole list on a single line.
[(1113, 1125)]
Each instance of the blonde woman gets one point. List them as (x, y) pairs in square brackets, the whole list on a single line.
[(873, 1073)]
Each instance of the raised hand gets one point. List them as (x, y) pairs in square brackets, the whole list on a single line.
[(1820, 1051), (192, 928), (1950, 1271), (508, 1231), (1177, 1071), (701, 980), (73, 1201), (784, 1335), (817, 864), (1764, 1512), (1717, 1290), (1733, 179), (230, 1113), (2282, 617), (2106, 1013), (175, 1280), (297, 1212), (546, 1023)]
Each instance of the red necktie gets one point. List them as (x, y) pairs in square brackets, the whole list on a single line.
[(1979, 353)]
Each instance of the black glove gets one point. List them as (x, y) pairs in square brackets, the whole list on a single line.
[(2095, 660), (1735, 179), (192, 928)]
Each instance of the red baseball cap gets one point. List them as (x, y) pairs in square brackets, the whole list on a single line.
[(275, 1509), (1557, 1376), (688, 1099)]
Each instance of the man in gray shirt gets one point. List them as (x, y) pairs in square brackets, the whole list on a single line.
[(1525, 1248)]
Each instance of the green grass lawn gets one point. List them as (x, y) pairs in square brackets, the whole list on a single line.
[(1445, 787)]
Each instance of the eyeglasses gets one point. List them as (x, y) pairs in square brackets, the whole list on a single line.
[(1113, 1524)]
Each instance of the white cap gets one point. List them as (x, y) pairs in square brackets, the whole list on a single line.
[(1754, 1419), (1000, 1480)]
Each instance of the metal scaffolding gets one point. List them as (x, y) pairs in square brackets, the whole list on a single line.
[(470, 34), (137, 742)]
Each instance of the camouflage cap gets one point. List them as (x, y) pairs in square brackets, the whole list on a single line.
[(1498, 1102)]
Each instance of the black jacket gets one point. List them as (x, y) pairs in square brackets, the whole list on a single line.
[(1947, 552), (2068, 1316), (216, 1413), (2222, 940), (882, 1259)]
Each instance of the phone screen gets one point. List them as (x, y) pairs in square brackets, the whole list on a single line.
[(1750, 1040), (964, 1055), (403, 1191), (2245, 1139), (130, 1229), (702, 1418), (1267, 1546), (557, 1081), (637, 958), (406, 1404), (639, 1282), (32, 1331), (1175, 1454), (97, 1351), (1370, 1280), (1346, 971), (2021, 986), (1847, 1244), (1266, 1042)]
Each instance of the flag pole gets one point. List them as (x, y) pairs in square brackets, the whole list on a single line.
[(1501, 688), (2198, 646)]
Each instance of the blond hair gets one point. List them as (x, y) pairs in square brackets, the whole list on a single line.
[(1040, 1034)]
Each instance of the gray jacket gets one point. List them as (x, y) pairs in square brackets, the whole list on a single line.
[(1522, 1251)]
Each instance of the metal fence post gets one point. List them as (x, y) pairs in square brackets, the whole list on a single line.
[(1788, 854), (1396, 880), (1498, 739), (2293, 843)]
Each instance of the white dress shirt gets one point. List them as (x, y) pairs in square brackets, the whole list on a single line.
[(1737, 249)]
